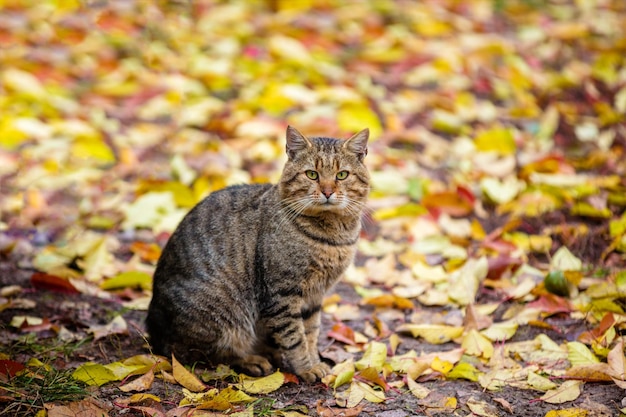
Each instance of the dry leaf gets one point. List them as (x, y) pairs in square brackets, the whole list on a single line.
[(186, 378)]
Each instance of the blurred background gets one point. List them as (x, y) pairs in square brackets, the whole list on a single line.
[(118, 116)]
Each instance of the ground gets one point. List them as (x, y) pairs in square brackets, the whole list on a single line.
[(78, 312)]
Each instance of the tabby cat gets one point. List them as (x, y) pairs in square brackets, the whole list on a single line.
[(242, 278)]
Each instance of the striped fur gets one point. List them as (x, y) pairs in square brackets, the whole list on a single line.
[(241, 280)]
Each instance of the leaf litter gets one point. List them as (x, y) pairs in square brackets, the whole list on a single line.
[(491, 270)]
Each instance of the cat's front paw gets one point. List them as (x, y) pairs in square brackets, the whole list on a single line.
[(317, 371), (254, 365)]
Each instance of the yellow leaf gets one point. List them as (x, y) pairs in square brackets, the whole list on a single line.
[(10, 136), (369, 393), (351, 397), (148, 362), (196, 398), (344, 372), (129, 279), (464, 282), (568, 391), (442, 366), (186, 378), (568, 412), (121, 370), (539, 382), (97, 374), (263, 385), (374, 356), (233, 396), (353, 117), (498, 139), (432, 333), (419, 390), (498, 332), (372, 375), (564, 260), (137, 398), (94, 374), (501, 192), (289, 49), (476, 344), (93, 149), (409, 209), (464, 371), (482, 408), (579, 354)]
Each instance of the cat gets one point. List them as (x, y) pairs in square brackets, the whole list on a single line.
[(242, 278)]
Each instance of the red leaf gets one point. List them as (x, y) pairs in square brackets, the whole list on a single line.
[(291, 378), (551, 304), (43, 281), (500, 264), (10, 368), (342, 333), (597, 332)]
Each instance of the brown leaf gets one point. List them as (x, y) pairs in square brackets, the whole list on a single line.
[(87, 407), (325, 411), (474, 319), (449, 202), (142, 383)]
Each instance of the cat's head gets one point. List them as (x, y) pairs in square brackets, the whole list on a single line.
[(325, 174)]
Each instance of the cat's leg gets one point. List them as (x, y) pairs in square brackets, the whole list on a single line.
[(285, 326), (312, 318)]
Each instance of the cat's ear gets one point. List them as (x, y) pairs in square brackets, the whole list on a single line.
[(296, 142), (357, 144)]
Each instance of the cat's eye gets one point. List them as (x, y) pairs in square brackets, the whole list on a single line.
[(342, 175), (312, 175)]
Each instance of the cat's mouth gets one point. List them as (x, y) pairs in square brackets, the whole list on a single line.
[(330, 203)]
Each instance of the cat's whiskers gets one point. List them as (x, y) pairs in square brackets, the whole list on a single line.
[(359, 208), (292, 207)]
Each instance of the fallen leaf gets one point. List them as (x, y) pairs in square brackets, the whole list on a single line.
[(116, 326), (568, 391), (87, 407), (374, 357), (186, 378), (142, 383), (476, 344), (432, 333), (130, 279), (262, 385), (568, 412)]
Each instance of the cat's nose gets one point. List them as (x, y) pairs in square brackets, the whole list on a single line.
[(327, 193)]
